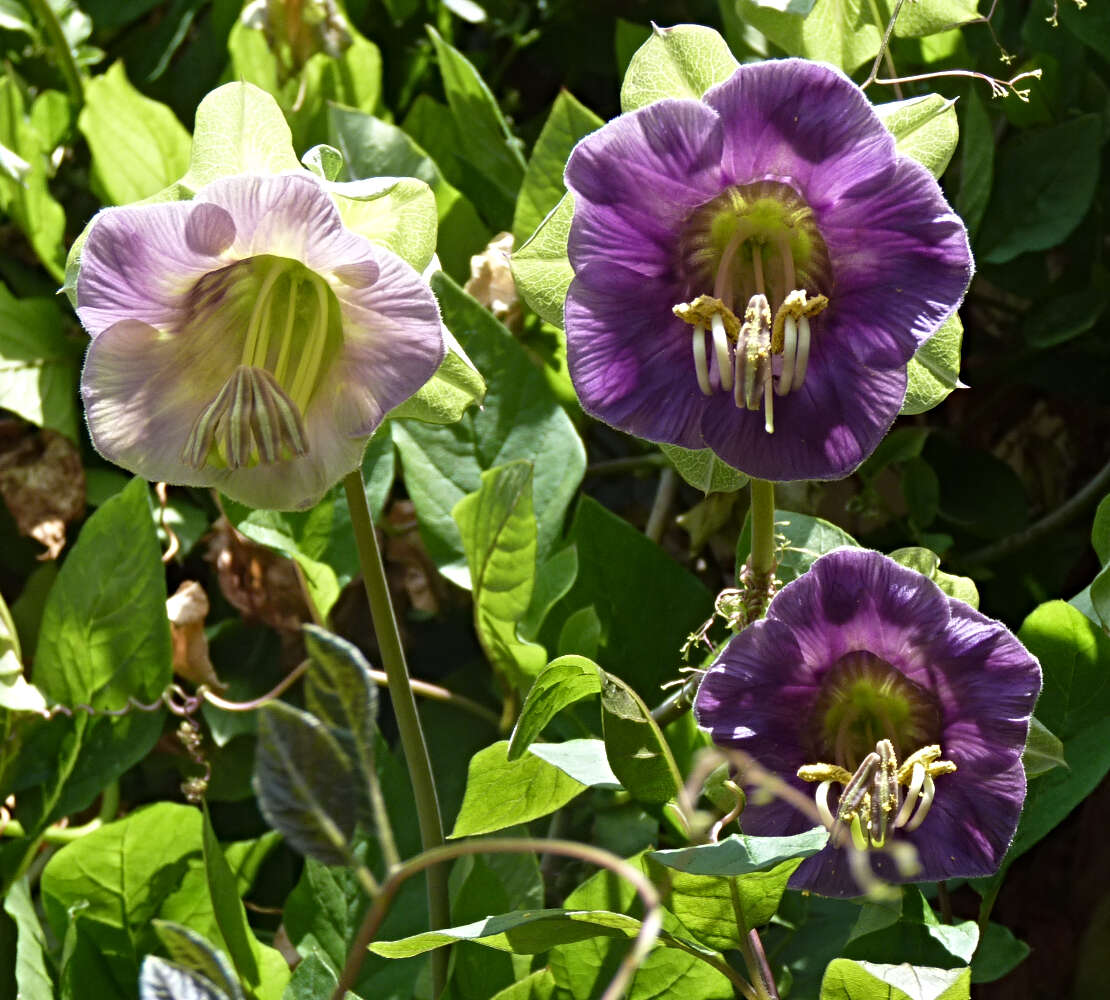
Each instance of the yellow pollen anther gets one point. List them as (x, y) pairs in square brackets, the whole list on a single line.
[(795, 305), (701, 311)]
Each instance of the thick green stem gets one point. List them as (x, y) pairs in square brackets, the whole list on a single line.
[(404, 708), (761, 562)]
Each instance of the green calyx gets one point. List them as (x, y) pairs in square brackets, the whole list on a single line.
[(769, 219), (863, 699)]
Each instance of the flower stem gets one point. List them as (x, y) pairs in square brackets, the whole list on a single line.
[(67, 65), (761, 561), (404, 707)]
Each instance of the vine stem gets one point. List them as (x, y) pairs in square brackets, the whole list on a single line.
[(408, 721), (650, 926)]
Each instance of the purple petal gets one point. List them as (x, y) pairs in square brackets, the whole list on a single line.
[(801, 121), (644, 384), (139, 262), (901, 265), (822, 431)]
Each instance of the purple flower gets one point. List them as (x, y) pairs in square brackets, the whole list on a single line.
[(246, 340), (902, 711), (764, 242)]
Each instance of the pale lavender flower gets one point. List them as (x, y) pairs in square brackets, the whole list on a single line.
[(246, 340)]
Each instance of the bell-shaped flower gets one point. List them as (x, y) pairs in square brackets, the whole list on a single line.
[(246, 339), (754, 270), (900, 711)]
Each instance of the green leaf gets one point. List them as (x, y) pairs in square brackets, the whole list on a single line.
[(501, 793), (1100, 531), (162, 980), (637, 752), (703, 470), (524, 932), (934, 371), (372, 147), (976, 163), (538, 986), (304, 783), (929, 17), (841, 32), (742, 854), (998, 954), (28, 201), (584, 760), (38, 363), (927, 563), (449, 393), (498, 528), (848, 980), (340, 692), (803, 539), (138, 146), (521, 419), (484, 135), (541, 267), (924, 129), (123, 875), (239, 130), (646, 602), (683, 61), (562, 682), (32, 976), (1075, 705), (907, 930), (398, 213), (543, 187), (553, 579), (1043, 750), (1044, 183), (1062, 317), (193, 951)]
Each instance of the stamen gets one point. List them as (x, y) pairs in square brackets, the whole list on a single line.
[(305, 381), (859, 841), (821, 798), (287, 335), (769, 405), (251, 355), (928, 789), (701, 364), (757, 269), (789, 355), (720, 346), (917, 779), (802, 362), (851, 799), (722, 286)]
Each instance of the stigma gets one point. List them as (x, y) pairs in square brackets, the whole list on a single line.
[(754, 360), (872, 801)]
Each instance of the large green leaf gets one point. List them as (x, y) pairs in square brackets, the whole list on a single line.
[(483, 132), (543, 187), (647, 603), (1044, 183), (398, 213), (498, 528), (541, 268), (976, 163), (934, 371), (848, 980), (636, 749), (502, 793), (742, 854), (32, 972), (305, 783), (683, 61), (522, 932), (373, 148), (703, 470), (802, 540), (138, 146), (563, 682), (521, 419), (842, 32), (924, 129)]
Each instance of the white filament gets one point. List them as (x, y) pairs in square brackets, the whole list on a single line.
[(821, 797), (917, 779), (927, 790), (789, 355), (769, 405), (701, 364), (802, 362), (720, 345)]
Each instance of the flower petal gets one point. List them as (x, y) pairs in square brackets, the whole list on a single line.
[(790, 118), (632, 361), (822, 431), (138, 262), (902, 264), (287, 215)]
